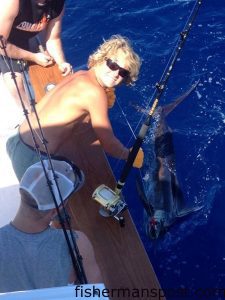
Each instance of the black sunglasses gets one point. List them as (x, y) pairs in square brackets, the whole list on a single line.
[(114, 67)]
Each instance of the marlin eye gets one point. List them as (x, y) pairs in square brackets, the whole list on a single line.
[(153, 222)]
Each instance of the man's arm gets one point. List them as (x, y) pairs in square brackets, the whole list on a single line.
[(8, 11), (98, 109), (102, 127), (54, 44)]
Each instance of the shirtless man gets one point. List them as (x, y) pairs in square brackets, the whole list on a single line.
[(22, 20), (80, 99)]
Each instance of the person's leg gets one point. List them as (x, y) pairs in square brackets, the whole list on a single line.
[(21, 155), (11, 86), (6, 65)]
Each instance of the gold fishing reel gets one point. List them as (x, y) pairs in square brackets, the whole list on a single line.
[(112, 204)]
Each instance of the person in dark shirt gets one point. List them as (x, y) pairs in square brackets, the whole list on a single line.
[(22, 20)]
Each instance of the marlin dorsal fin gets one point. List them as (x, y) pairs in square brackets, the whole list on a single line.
[(171, 106)]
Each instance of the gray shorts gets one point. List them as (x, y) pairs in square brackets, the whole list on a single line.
[(22, 155)]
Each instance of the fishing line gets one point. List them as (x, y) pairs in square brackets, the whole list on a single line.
[(76, 261), (127, 121), (116, 166)]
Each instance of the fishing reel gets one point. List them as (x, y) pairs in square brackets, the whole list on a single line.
[(112, 205)]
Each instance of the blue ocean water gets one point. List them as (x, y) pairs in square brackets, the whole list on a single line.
[(191, 256)]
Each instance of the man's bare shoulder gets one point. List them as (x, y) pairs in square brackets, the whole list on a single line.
[(87, 79), (86, 82)]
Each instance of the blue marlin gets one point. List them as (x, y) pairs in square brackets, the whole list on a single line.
[(167, 202)]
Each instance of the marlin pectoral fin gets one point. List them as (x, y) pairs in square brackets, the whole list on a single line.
[(147, 205), (187, 211), (170, 107)]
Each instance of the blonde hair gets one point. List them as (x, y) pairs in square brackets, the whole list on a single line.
[(110, 47)]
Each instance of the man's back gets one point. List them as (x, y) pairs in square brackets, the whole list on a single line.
[(29, 261), (63, 110)]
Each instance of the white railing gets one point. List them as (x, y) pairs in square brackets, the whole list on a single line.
[(78, 292)]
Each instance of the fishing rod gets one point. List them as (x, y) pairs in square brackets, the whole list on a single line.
[(76, 260), (110, 200)]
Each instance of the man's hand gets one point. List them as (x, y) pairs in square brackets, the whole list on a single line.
[(138, 162), (65, 68), (43, 59)]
